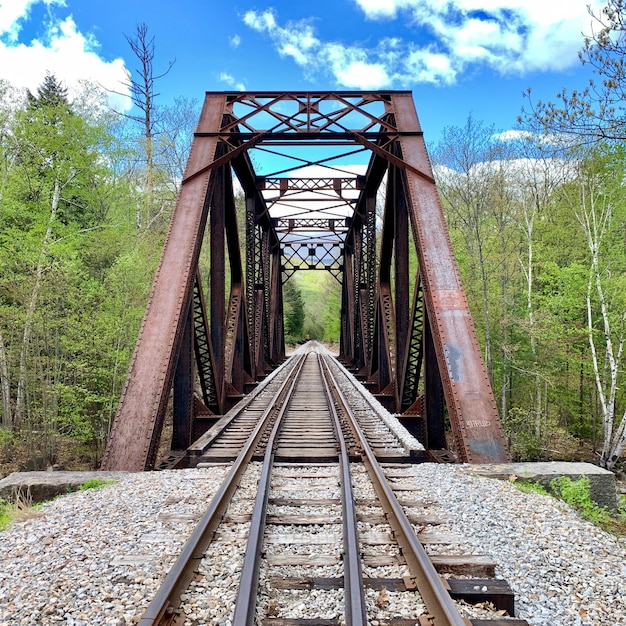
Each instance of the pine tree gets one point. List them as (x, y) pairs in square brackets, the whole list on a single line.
[(50, 94)]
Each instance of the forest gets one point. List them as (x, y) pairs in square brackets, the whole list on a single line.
[(537, 218)]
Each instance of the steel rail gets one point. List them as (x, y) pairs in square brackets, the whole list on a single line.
[(434, 594), (245, 605), (162, 608), (354, 593)]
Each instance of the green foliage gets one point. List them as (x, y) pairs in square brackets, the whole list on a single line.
[(524, 444), (521, 237), (576, 494), (294, 312), (75, 273), (530, 486), (321, 296), (94, 483), (6, 437), (5, 515)]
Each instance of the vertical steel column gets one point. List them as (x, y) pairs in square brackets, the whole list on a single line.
[(433, 394), (370, 271), (414, 352), (358, 359), (183, 389), (367, 284), (217, 279), (252, 261), (347, 306), (478, 433), (237, 347), (385, 314), (276, 310), (203, 348), (266, 281), (401, 282)]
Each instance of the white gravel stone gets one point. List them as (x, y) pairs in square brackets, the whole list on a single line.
[(564, 570), (98, 556)]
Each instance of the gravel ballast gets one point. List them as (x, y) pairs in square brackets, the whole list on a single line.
[(97, 556)]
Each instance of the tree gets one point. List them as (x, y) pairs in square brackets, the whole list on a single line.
[(471, 172), (598, 209), (597, 112), (51, 95), (49, 114), (538, 174), (6, 161), (293, 311), (62, 212), (143, 95)]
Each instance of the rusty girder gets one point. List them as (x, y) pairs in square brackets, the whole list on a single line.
[(405, 321)]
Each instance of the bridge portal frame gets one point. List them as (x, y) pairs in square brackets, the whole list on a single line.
[(405, 330)]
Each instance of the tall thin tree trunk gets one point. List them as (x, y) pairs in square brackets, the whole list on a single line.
[(20, 403), (5, 385), (485, 293)]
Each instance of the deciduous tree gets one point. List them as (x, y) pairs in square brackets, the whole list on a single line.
[(598, 111)]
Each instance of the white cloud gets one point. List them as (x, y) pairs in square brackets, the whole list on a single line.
[(231, 81), (448, 37), (13, 12), (511, 36), (63, 50), (382, 8), (363, 75), (235, 41), (350, 65)]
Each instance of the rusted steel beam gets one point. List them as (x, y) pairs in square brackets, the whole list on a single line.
[(137, 426), (478, 432), (217, 281), (183, 389), (401, 280), (277, 341), (414, 350), (434, 405), (205, 359), (348, 307)]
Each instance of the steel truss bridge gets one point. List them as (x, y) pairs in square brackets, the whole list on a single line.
[(339, 181)]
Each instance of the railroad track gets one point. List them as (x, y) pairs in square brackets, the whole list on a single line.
[(328, 540)]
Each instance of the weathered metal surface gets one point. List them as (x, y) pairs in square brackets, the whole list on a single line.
[(204, 350), (297, 221), (476, 425), (137, 425)]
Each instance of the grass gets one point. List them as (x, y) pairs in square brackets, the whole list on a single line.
[(529, 486), (94, 483), (576, 493), (5, 515), (23, 508)]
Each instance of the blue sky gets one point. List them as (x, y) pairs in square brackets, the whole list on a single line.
[(457, 56)]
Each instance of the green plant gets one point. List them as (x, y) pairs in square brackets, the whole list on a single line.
[(5, 515), (94, 483), (576, 494), (530, 486), (22, 508)]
